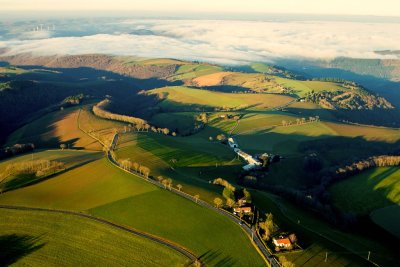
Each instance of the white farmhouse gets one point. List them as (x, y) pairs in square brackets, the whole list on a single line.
[(232, 143)]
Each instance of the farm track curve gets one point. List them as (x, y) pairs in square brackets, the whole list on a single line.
[(148, 236)]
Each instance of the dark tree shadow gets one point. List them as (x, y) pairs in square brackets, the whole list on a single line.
[(14, 247), (217, 258)]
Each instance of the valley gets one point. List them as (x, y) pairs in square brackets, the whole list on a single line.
[(177, 117)]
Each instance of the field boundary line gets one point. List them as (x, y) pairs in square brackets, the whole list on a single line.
[(264, 253), (162, 241)]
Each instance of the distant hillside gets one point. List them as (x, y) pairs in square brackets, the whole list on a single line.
[(31, 84), (381, 68), (351, 97), (136, 69)]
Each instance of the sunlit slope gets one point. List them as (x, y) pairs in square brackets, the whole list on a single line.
[(53, 129), (368, 191), (177, 96), (101, 189), (34, 238)]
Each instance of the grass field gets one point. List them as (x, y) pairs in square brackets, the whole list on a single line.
[(178, 96), (54, 129), (373, 189), (211, 79), (189, 161), (71, 159), (302, 87), (182, 122), (189, 71), (388, 218), (101, 189), (98, 188), (34, 238), (61, 127)]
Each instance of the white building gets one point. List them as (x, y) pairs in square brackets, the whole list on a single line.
[(232, 143), (253, 163)]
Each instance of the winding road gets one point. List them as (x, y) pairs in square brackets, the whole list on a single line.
[(247, 229), (156, 239)]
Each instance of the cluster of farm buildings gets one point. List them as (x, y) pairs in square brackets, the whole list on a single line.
[(253, 163)]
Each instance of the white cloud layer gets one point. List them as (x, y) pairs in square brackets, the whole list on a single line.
[(225, 42)]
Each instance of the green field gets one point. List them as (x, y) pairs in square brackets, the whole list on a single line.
[(71, 159), (189, 161), (302, 87), (53, 129), (35, 238), (180, 96), (101, 189), (180, 122), (372, 189), (189, 71), (93, 185)]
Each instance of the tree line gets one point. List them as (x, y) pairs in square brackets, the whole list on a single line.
[(99, 110), (134, 123), (15, 150), (232, 195), (137, 167), (74, 99), (145, 171), (332, 175), (38, 168), (317, 199), (300, 121)]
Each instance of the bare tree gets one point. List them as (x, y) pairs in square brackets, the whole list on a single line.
[(146, 171), (169, 180), (136, 166), (165, 131), (218, 202), (165, 183), (179, 186), (196, 197)]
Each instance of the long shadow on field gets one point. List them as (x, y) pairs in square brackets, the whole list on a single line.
[(24, 180), (53, 85), (224, 88), (14, 247), (377, 116), (211, 256)]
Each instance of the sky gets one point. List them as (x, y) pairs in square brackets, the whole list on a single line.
[(333, 7)]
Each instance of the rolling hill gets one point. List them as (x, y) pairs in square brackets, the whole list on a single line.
[(265, 109)]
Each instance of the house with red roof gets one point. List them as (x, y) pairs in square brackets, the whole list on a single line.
[(282, 242)]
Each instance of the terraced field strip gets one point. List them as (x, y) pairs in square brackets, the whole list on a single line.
[(164, 242)]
